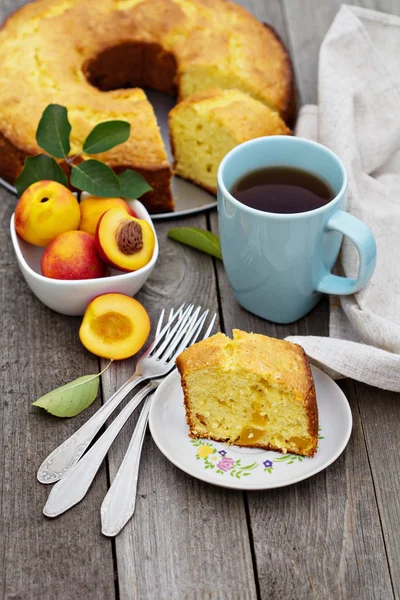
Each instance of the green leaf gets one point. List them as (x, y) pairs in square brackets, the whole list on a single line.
[(70, 399), (202, 240), (37, 168), (53, 131), (105, 136), (132, 184), (95, 178)]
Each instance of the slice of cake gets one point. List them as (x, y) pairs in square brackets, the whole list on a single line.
[(252, 391), (207, 125)]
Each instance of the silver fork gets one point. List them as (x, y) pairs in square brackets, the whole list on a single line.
[(73, 487), (120, 501), (157, 361)]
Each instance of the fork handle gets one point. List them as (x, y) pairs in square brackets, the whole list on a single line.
[(119, 504), (73, 487), (65, 456)]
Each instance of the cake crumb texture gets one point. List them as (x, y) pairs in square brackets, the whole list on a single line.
[(207, 125), (251, 390)]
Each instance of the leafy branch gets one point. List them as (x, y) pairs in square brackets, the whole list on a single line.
[(92, 176)]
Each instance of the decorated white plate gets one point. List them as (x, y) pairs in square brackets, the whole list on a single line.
[(247, 468), (189, 199)]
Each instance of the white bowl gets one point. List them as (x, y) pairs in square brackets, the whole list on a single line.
[(72, 297)]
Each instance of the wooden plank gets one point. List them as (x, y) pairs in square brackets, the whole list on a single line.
[(379, 409), (66, 558), (307, 23), (336, 511), (320, 538), (324, 533), (380, 413), (187, 539)]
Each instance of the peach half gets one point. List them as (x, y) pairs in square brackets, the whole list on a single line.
[(114, 326), (93, 208), (45, 210), (124, 242), (72, 255)]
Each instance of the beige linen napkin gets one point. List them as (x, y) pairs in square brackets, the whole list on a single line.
[(358, 117)]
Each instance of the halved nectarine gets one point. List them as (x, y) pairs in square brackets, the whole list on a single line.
[(114, 326), (123, 241), (93, 208)]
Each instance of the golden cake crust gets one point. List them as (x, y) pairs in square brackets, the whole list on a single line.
[(51, 49), (280, 360)]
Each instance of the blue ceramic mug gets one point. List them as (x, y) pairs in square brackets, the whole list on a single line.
[(279, 264)]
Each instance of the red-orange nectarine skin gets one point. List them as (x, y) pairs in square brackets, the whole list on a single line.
[(73, 255), (45, 210)]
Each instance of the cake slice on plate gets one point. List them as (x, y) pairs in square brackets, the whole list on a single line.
[(251, 391)]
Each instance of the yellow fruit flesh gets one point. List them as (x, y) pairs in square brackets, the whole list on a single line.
[(114, 326)]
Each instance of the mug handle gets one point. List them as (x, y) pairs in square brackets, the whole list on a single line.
[(365, 244)]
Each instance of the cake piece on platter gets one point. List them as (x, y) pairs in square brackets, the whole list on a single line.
[(251, 390), (207, 125)]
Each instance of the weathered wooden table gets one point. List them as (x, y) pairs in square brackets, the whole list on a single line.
[(333, 536)]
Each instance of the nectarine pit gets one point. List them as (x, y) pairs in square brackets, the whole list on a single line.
[(129, 237)]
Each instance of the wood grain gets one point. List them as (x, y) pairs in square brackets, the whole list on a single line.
[(316, 530), (376, 406), (380, 413), (187, 539), (66, 558), (332, 536), (306, 24)]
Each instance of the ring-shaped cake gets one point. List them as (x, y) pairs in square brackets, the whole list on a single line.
[(94, 56)]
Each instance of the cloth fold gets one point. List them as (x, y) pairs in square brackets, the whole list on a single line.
[(357, 117)]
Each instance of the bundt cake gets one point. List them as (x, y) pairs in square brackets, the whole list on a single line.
[(252, 391), (207, 125), (85, 54)]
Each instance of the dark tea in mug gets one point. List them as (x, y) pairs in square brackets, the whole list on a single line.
[(283, 190)]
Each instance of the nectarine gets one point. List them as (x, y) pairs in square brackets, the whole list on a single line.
[(72, 255), (45, 210), (114, 326), (123, 241), (92, 209)]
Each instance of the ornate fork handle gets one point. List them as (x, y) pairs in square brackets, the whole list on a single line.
[(73, 487), (65, 456), (120, 501)]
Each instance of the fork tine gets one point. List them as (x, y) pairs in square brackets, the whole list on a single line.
[(174, 342), (196, 333), (197, 328), (175, 332), (159, 338), (210, 328), (160, 322), (195, 325)]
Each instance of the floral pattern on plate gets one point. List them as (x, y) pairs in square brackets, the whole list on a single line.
[(247, 468), (222, 463)]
